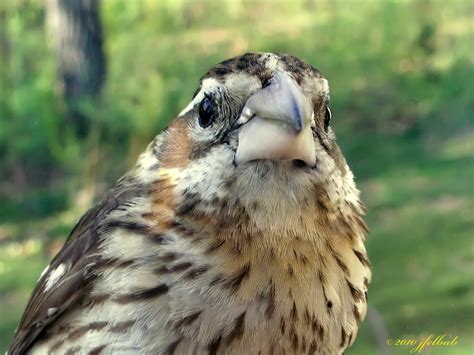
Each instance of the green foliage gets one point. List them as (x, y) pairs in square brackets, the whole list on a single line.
[(402, 104)]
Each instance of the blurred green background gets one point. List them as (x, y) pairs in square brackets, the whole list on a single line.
[(402, 78)]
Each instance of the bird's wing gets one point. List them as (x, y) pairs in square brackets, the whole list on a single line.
[(69, 275), (65, 280)]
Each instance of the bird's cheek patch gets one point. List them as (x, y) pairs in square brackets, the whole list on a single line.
[(177, 146)]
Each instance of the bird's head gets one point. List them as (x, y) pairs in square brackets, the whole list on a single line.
[(256, 138)]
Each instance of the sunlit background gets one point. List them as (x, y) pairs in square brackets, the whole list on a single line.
[(401, 75)]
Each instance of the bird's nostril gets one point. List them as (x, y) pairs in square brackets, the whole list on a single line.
[(266, 82), (299, 163)]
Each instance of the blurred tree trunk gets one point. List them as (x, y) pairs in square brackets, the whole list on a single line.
[(4, 58), (77, 38)]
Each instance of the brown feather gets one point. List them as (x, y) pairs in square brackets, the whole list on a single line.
[(80, 253)]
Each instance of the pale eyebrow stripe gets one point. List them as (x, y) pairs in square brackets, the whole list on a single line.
[(207, 85)]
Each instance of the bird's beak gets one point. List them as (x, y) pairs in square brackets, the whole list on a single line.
[(276, 124)]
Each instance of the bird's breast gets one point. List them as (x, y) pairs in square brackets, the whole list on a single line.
[(190, 291)]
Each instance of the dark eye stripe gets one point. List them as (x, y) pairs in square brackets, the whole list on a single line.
[(196, 92), (321, 141)]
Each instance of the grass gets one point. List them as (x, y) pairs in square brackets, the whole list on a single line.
[(420, 213)]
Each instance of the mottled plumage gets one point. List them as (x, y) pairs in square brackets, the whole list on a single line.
[(239, 231)]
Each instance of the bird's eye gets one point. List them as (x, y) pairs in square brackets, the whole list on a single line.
[(206, 111), (327, 118)]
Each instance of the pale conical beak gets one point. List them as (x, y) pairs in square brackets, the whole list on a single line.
[(276, 124)]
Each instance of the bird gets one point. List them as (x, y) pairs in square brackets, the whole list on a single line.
[(240, 230)]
